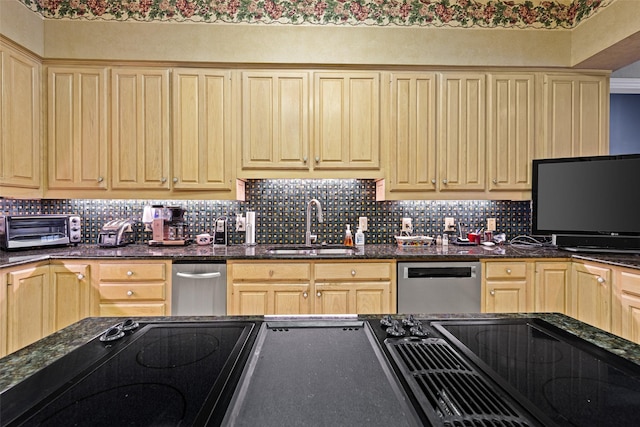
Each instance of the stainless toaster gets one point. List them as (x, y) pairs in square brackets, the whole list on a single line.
[(118, 232)]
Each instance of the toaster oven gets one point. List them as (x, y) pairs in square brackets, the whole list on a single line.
[(34, 231)]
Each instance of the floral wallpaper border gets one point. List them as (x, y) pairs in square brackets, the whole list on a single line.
[(422, 13)]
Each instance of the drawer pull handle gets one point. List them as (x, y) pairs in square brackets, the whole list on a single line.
[(199, 275), (353, 272), (508, 271), (129, 293), (305, 294), (600, 280), (319, 294), (80, 276), (129, 273), (492, 292)]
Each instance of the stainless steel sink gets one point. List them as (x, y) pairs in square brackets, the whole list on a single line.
[(313, 250)]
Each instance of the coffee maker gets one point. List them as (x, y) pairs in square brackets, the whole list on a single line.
[(168, 226)]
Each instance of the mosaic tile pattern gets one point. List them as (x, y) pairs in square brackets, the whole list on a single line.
[(280, 207)]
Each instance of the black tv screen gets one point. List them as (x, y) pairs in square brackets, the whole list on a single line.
[(587, 196)]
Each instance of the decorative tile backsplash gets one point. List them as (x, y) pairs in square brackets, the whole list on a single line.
[(280, 207)]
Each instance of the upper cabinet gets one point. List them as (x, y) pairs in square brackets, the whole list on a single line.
[(310, 124), (20, 124), (275, 120), (140, 128), (77, 128), (347, 120), (511, 131), (461, 131), (576, 115), (202, 146), (412, 142)]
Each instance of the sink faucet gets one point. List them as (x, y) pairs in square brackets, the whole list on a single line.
[(308, 237)]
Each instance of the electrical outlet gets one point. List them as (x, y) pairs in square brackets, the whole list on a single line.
[(362, 223), (241, 223), (449, 224), (406, 225), (491, 224)]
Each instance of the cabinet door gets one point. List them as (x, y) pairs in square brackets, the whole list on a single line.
[(628, 295), (29, 306), (202, 150), (576, 115), (511, 133), (275, 120), (269, 298), (77, 137), (412, 152), (551, 287), (506, 296), (347, 120), (20, 112), (462, 118), (71, 293), (140, 128), (590, 295), (353, 298)]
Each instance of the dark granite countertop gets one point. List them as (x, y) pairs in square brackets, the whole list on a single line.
[(258, 252), (22, 363)]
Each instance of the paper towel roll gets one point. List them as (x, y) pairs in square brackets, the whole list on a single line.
[(251, 228)]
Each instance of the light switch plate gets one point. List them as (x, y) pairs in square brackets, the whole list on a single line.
[(449, 223), (362, 223), (491, 224), (241, 224)]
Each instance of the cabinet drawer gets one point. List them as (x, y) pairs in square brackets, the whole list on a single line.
[(353, 271), (127, 310), (272, 271), (132, 272), (132, 292), (506, 270)]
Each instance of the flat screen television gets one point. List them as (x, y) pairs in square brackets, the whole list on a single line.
[(589, 204)]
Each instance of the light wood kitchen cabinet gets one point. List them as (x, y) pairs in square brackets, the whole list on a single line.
[(202, 144), (275, 120), (354, 288), (462, 131), (511, 131), (140, 128), (71, 292), (590, 294), (346, 120), (626, 304), (412, 146), (551, 286), (20, 123), (576, 115), (134, 288), (29, 306), (504, 286), (258, 288), (304, 287), (77, 128)]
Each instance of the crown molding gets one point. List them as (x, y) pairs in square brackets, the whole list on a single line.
[(624, 85)]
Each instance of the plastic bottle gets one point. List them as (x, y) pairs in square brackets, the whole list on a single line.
[(348, 239), (359, 237), (445, 240)]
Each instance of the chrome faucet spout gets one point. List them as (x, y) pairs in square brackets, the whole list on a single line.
[(308, 236)]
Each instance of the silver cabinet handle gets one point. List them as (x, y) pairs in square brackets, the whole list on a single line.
[(304, 159), (319, 294), (508, 271), (100, 179), (445, 182), (163, 179), (353, 272), (433, 181), (495, 181), (199, 275), (129, 292), (600, 280), (80, 276), (305, 294), (175, 179), (129, 273), (317, 159), (492, 292)]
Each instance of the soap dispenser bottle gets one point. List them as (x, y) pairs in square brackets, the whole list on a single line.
[(348, 238), (359, 237)]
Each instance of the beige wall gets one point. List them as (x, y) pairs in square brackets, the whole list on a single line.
[(22, 26)]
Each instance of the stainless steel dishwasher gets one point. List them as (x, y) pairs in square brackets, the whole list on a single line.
[(199, 289), (439, 287)]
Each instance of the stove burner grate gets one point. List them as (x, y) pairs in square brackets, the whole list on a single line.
[(449, 390)]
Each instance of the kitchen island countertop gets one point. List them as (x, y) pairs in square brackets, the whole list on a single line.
[(261, 252), (17, 366)]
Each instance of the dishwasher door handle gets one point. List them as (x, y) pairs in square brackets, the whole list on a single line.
[(199, 275)]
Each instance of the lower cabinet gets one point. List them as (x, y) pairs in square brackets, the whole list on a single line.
[(590, 294), (551, 286), (71, 291), (626, 306), (318, 287), (134, 288), (504, 286)]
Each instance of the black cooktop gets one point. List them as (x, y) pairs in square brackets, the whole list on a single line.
[(152, 375)]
